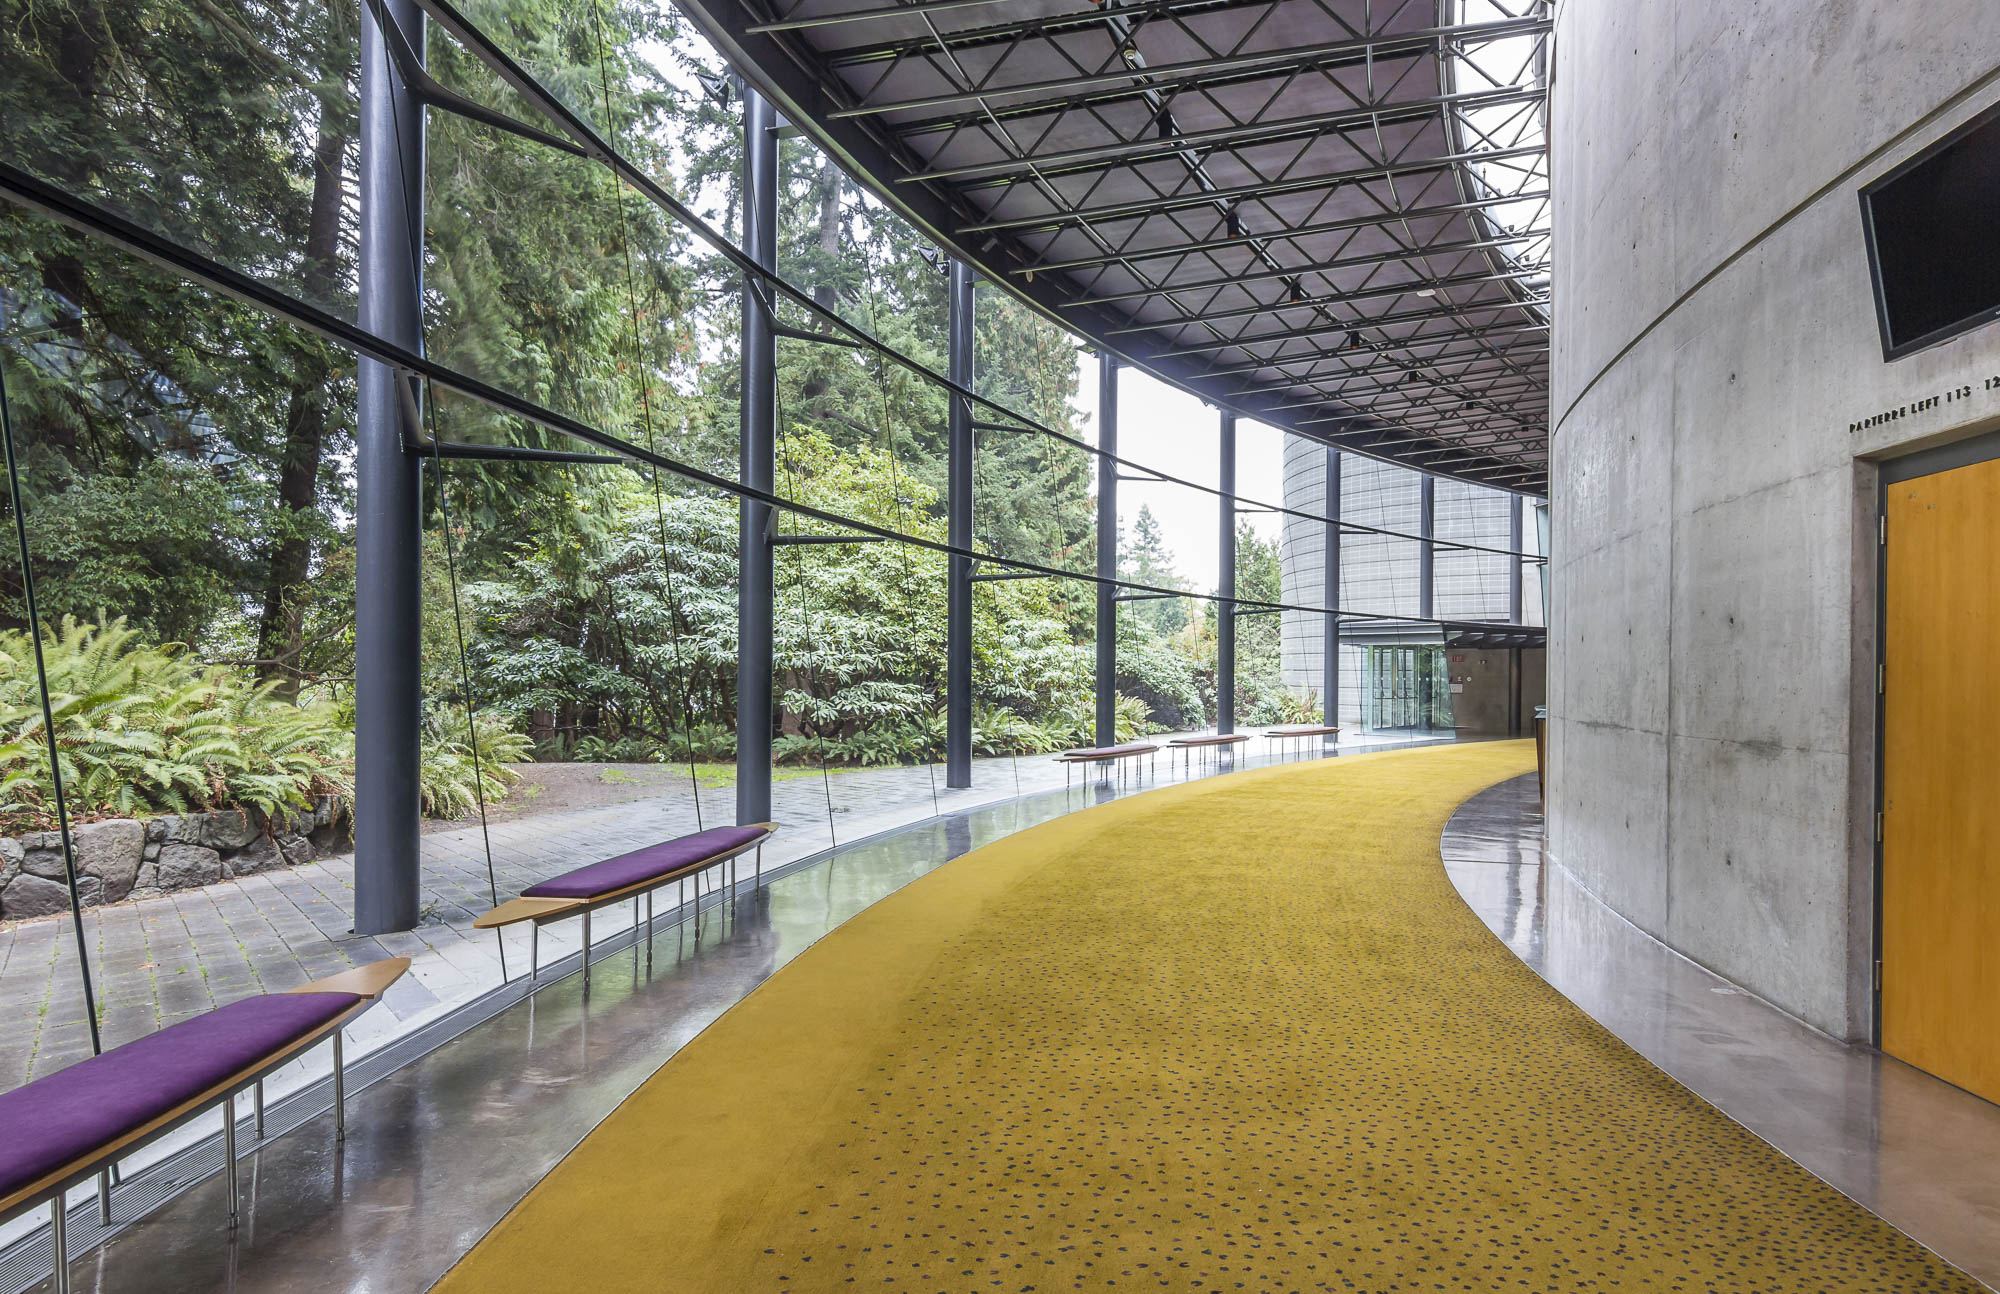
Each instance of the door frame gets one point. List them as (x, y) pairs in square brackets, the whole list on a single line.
[(1979, 448)]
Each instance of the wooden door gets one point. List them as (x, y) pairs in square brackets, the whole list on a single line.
[(1941, 777)]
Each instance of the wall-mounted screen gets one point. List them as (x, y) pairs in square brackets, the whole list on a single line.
[(1933, 227)]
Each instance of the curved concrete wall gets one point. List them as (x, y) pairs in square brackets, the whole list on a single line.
[(1712, 660)]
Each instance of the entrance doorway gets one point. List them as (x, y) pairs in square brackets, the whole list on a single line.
[(1940, 878), (1405, 688)]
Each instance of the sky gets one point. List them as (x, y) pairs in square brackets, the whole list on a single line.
[(1173, 432)]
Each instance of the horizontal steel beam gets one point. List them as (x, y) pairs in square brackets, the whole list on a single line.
[(88, 218), (1390, 351), (1388, 216), (1120, 95), (1187, 72), (1391, 320), (511, 453), (913, 9), (1210, 197), (1401, 255), (1388, 291), (1043, 26), (1074, 161)]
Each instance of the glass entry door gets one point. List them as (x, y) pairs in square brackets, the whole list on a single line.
[(1405, 688)]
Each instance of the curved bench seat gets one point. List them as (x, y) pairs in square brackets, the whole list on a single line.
[(655, 862), (1106, 755), (53, 1122), (1210, 746), (1094, 753), (1301, 733), (75, 1123), (582, 890)]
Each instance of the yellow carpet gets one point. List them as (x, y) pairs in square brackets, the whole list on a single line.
[(1235, 1035)]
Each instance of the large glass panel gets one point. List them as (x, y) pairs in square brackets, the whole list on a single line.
[(1167, 540), (1472, 585), (230, 134)]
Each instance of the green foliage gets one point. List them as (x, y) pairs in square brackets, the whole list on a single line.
[(188, 464), (143, 730), (451, 779)]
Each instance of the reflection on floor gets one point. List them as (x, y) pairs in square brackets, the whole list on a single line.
[(440, 1149), (1916, 1151), (162, 959)]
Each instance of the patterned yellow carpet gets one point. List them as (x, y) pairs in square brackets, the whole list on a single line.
[(1236, 1035)]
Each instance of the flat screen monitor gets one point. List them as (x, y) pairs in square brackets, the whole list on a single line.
[(1933, 229)]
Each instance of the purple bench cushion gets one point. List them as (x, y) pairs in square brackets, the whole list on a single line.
[(57, 1119), (643, 864)]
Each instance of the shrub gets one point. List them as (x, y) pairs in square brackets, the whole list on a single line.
[(446, 779), (142, 729)]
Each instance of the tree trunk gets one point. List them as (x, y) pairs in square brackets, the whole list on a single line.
[(280, 632), (829, 232)]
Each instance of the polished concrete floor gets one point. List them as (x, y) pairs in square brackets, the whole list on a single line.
[(440, 1148), (1916, 1151)]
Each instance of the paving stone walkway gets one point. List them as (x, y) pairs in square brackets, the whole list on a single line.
[(158, 960)]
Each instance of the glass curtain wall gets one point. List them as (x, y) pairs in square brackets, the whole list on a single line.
[(185, 484)]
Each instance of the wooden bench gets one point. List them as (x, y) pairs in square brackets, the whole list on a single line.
[(58, 1132), (628, 876), (1213, 744), (1107, 755), (1301, 732)]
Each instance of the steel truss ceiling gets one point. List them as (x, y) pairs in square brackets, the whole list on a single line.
[(1331, 215)]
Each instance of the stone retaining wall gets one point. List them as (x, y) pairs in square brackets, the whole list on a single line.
[(124, 858)]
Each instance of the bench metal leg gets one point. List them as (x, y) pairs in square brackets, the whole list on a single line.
[(104, 1198), (339, 1090), (534, 950), (649, 930), (59, 1240), (258, 1098), (229, 1151), (586, 952), (757, 880)]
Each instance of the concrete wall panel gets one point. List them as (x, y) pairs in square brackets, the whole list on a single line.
[(1711, 662)]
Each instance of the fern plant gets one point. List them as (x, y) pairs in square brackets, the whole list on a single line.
[(450, 780), (142, 729)]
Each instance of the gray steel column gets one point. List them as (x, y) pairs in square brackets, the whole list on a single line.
[(1514, 610), (1225, 582), (958, 506), (1329, 664), (1426, 550), (1107, 550), (1514, 569), (758, 440), (388, 597)]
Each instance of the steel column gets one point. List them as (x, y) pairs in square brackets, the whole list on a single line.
[(1514, 614), (1225, 582), (388, 600), (958, 504), (758, 441), (1514, 563), (1107, 549), (1329, 642), (1426, 550)]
